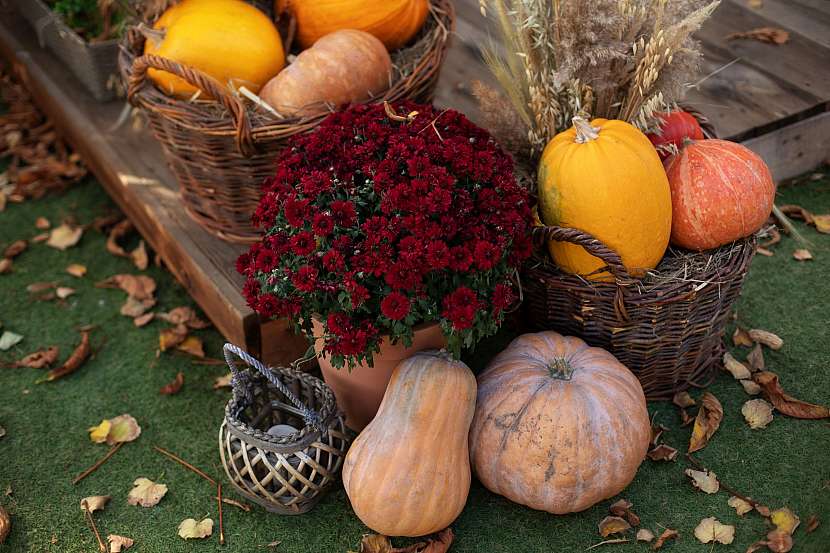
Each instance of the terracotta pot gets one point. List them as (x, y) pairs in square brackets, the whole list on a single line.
[(359, 388)]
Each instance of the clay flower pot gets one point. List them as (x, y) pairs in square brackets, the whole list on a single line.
[(359, 389)]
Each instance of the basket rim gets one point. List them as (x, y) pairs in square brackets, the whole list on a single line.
[(204, 117)]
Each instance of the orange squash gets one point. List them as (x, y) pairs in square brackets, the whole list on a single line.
[(394, 22), (408, 472), (230, 40), (721, 191), (343, 67), (605, 178), (559, 425)]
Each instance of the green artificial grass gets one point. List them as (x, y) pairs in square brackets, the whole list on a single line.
[(46, 444)]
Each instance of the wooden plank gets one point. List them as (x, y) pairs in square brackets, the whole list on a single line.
[(795, 149), (808, 21)]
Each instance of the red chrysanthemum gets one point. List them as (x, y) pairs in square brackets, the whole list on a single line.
[(395, 306)]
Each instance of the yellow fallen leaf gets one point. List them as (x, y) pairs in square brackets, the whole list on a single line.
[(612, 525), (146, 493), (139, 256), (785, 520), (119, 543), (822, 223), (741, 337), (190, 529), (757, 413), (222, 381), (193, 346), (711, 530), (706, 482), (124, 429), (95, 502), (98, 434), (802, 254), (64, 237), (735, 367), (76, 270), (171, 337), (706, 423), (741, 506)]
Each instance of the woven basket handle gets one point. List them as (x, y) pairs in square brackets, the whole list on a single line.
[(311, 418), (205, 83), (592, 245)]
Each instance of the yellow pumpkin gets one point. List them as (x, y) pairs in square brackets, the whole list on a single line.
[(559, 425), (605, 178), (408, 472), (394, 22), (230, 40)]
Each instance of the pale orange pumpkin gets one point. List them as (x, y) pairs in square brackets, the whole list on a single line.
[(343, 67), (721, 191), (408, 472), (559, 425), (394, 22)]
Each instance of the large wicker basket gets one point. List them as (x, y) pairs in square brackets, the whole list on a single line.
[(667, 327), (220, 152)]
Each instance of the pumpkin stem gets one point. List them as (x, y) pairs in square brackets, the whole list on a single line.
[(154, 35), (585, 132), (560, 369)]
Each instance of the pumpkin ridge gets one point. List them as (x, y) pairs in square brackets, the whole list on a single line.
[(730, 186), (750, 167)]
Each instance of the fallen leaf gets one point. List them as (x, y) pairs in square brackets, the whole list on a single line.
[(757, 413), (779, 542), (763, 251), (95, 502), (64, 292), (812, 524), (770, 35), (37, 287), (124, 429), (683, 399), (706, 423), (784, 520), (171, 337), (663, 452), (190, 529), (119, 543), (76, 270), (139, 256), (737, 369), (186, 316), (741, 337), (763, 510), (705, 481), (173, 387), (121, 229), (802, 254), (788, 405), (15, 248), (656, 431), (272, 545), (612, 525), (440, 544), (741, 506), (39, 359), (98, 434), (2, 431), (144, 319), (668, 534), (73, 362), (9, 339), (222, 381), (645, 535), (141, 287), (767, 338), (146, 493), (42, 237), (822, 223), (135, 308), (64, 237), (42, 223), (710, 530), (5, 265), (622, 508), (192, 345), (5, 524), (756, 358), (751, 387), (375, 543)]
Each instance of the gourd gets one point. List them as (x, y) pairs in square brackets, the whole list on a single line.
[(229, 40), (343, 67), (408, 472), (721, 191), (559, 425), (675, 128), (394, 22), (605, 178)]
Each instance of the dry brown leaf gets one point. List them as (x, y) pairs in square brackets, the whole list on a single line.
[(63, 292), (5, 265), (785, 520), (64, 237), (222, 381), (668, 534), (184, 316), (786, 404), (706, 423), (645, 535), (146, 493), (764, 251), (76, 270), (683, 399), (39, 359), (375, 543), (822, 223), (37, 287), (705, 481), (42, 223), (711, 530), (756, 358), (802, 254), (42, 237), (190, 529), (143, 320), (663, 452), (73, 362), (656, 431), (139, 257), (770, 35), (121, 229), (119, 543), (812, 524), (763, 510), (5, 524), (15, 248), (741, 506), (171, 337), (741, 337), (135, 308), (622, 508), (95, 502), (751, 387), (779, 542), (174, 386), (766, 338), (737, 369), (757, 413), (141, 287), (192, 345)]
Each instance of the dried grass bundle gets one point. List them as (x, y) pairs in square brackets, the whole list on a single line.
[(617, 59)]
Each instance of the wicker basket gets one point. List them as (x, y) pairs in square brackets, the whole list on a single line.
[(667, 327), (285, 473), (220, 152)]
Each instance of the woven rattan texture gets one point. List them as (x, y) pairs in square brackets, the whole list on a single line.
[(220, 151)]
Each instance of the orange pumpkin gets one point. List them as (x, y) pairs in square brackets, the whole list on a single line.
[(559, 425), (394, 22), (408, 472), (720, 191)]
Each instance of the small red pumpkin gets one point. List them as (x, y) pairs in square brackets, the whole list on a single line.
[(675, 128), (720, 191)]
